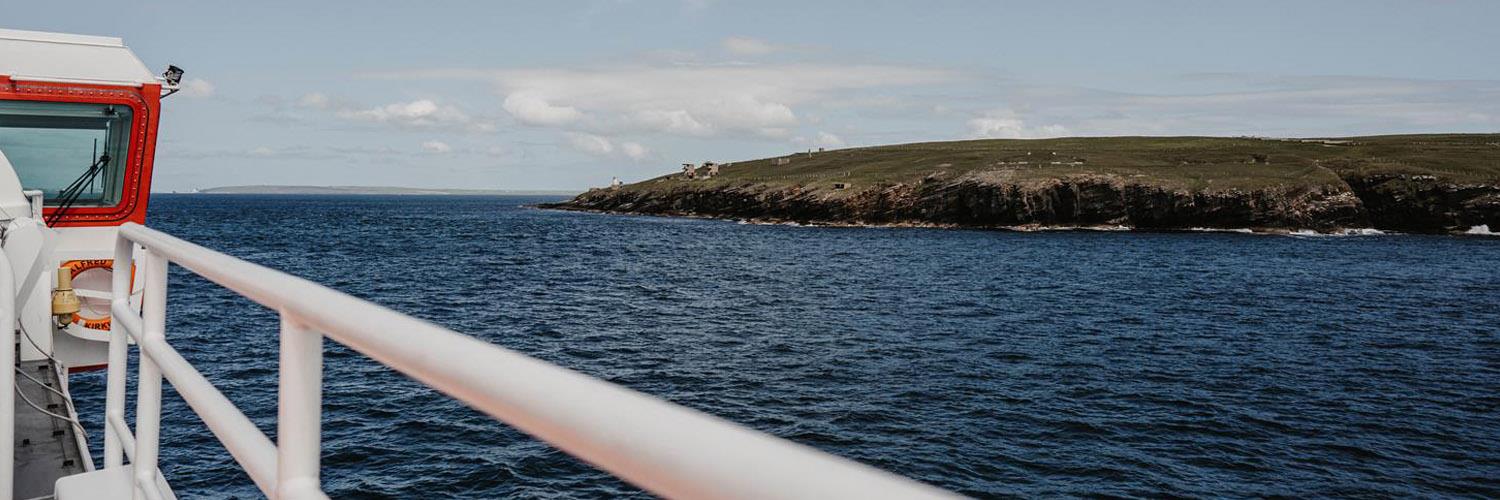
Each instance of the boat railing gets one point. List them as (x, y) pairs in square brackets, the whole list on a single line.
[(661, 447), (7, 379)]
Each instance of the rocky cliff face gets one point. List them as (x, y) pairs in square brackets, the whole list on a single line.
[(1425, 204), (1407, 204)]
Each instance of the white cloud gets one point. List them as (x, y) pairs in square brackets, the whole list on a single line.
[(634, 151), (820, 140), (1240, 104), (676, 121), (598, 145), (781, 101), (197, 87), (417, 114), (291, 152), (697, 101), (694, 100), (1006, 124), (363, 154), (746, 46), (532, 109), (314, 100), (436, 147), (591, 144), (827, 140)]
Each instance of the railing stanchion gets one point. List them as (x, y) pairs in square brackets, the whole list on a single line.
[(114, 391), (299, 414), (148, 386), (7, 379)]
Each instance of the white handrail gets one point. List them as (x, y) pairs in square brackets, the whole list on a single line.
[(662, 447), (7, 379)]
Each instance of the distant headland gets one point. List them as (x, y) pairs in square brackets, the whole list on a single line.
[(1438, 183), (373, 190)]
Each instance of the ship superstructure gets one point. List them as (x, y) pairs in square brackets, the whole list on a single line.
[(78, 118)]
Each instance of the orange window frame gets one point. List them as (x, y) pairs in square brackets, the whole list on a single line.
[(145, 106)]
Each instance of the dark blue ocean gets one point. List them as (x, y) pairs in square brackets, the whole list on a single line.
[(994, 364)]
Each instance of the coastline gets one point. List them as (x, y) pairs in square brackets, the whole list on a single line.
[(1475, 231)]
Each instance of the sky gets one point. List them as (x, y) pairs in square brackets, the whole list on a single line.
[(568, 94)]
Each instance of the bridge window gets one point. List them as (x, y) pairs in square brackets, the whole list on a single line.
[(55, 145)]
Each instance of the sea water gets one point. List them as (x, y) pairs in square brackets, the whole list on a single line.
[(989, 363)]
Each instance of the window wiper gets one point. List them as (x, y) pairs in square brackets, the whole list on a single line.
[(70, 194)]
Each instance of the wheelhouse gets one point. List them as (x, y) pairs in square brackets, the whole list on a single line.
[(78, 120)]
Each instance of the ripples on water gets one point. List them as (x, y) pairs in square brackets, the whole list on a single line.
[(989, 363)]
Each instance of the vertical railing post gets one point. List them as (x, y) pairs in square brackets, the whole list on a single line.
[(299, 413), (148, 386), (7, 379), (114, 390)]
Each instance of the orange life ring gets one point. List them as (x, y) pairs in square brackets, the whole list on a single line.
[(77, 267)]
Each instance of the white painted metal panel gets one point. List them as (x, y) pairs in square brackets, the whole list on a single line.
[(13, 201), (35, 55), (104, 484)]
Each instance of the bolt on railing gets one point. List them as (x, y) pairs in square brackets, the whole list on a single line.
[(662, 447)]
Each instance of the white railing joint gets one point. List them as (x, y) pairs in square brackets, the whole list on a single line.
[(122, 432)]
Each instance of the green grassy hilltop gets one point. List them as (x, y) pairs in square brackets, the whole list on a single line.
[(1192, 163)]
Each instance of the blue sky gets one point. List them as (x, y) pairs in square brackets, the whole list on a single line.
[(564, 95)]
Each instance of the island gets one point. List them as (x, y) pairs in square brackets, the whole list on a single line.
[(1437, 183)]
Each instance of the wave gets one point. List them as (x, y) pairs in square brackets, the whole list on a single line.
[(757, 222), (1239, 230), (1359, 231), (1481, 230), (1035, 228)]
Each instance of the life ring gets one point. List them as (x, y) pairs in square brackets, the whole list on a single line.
[(94, 314)]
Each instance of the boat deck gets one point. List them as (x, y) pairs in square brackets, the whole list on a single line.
[(47, 447)]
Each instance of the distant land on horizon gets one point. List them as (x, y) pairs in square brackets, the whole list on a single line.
[(386, 190)]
